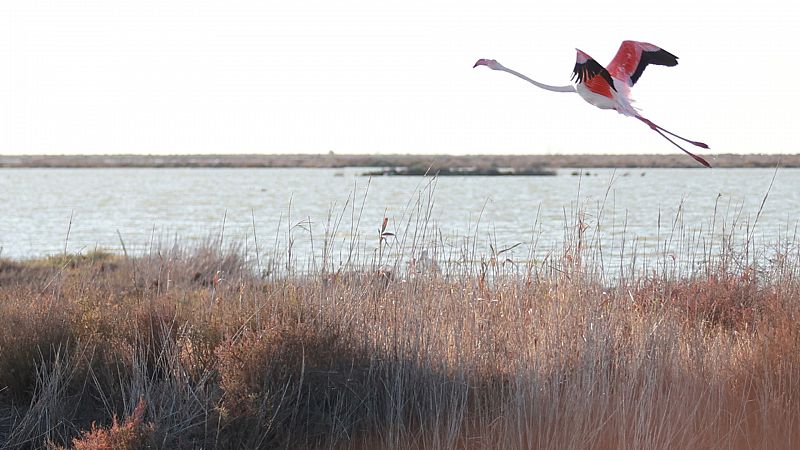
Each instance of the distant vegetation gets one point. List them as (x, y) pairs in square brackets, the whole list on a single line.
[(515, 162), (467, 171), (201, 348)]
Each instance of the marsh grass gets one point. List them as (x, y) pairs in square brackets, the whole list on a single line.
[(415, 345)]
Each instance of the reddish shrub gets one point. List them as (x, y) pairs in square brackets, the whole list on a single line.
[(132, 434)]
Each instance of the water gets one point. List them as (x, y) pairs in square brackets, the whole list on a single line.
[(45, 211)]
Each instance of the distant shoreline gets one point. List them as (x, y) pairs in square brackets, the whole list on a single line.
[(676, 160)]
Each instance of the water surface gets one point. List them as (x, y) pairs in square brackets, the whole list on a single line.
[(45, 211)]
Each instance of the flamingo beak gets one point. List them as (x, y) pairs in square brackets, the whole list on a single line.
[(485, 62)]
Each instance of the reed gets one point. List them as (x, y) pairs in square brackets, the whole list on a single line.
[(415, 345)]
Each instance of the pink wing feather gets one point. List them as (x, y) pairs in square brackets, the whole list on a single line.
[(632, 58)]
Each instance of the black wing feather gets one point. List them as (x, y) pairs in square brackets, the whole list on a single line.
[(589, 69), (659, 58)]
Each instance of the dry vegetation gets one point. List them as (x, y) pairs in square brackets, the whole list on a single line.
[(194, 349)]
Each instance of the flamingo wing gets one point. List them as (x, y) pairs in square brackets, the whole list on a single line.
[(632, 58), (591, 73)]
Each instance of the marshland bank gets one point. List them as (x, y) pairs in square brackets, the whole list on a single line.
[(517, 162)]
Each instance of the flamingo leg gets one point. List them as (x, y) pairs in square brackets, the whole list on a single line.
[(656, 127), (696, 158)]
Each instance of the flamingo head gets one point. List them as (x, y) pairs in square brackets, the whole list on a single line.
[(490, 63)]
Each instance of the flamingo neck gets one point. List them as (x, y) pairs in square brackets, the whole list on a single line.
[(569, 88)]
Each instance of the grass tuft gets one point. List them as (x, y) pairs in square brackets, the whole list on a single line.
[(198, 349)]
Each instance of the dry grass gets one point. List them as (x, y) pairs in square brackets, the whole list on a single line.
[(196, 350)]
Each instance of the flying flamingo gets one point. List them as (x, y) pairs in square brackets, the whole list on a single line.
[(609, 88)]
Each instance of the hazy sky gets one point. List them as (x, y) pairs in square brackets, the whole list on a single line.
[(142, 76)]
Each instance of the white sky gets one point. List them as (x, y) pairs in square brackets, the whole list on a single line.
[(144, 76)]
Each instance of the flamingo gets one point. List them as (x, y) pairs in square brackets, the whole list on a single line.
[(609, 88)]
